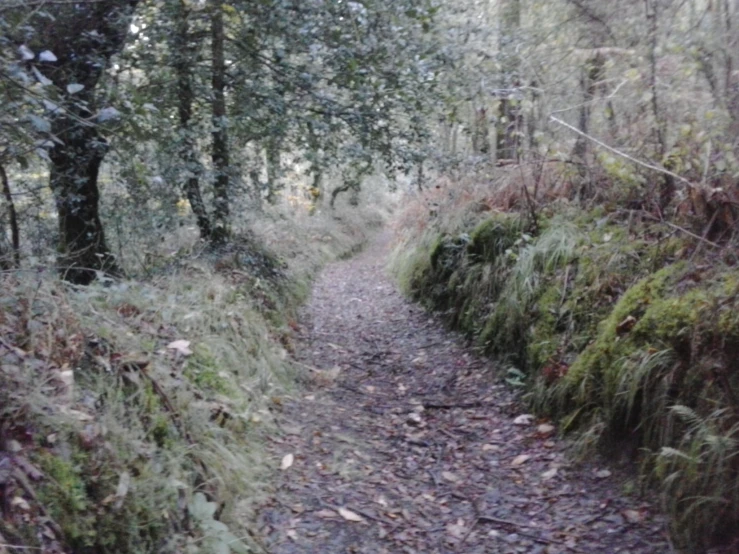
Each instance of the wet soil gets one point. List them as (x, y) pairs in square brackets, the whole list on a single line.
[(403, 440)]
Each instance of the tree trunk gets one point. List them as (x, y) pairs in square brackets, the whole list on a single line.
[(220, 154), (183, 55), (74, 175), (592, 74), (274, 169), (667, 187), (509, 109), (5, 261), (83, 37)]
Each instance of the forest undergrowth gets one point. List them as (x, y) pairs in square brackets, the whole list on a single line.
[(619, 325), (133, 411)]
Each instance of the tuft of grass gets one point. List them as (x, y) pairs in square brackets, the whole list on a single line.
[(616, 336)]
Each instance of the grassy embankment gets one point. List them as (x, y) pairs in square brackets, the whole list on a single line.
[(132, 413), (621, 328)]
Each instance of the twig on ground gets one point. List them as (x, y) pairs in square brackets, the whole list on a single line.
[(443, 406), (518, 526), (22, 480)]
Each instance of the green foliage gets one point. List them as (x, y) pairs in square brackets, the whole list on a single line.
[(217, 538), (616, 338)]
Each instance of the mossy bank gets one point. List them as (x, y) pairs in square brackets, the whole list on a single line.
[(133, 413), (622, 329)]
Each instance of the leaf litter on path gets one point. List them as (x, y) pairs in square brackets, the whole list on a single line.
[(414, 447)]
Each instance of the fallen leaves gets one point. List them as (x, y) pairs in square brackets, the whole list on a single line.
[(287, 461), (348, 515), (449, 460), (520, 460), (182, 347), (545, 430), (524, 419), (449, 476)]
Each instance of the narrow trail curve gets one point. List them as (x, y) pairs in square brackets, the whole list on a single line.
[(419, 442)]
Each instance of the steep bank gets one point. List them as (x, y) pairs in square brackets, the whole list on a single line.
[(133, 414), (619, 327)]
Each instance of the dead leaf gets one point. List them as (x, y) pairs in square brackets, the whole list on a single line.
[(181, 346), (287, 461), (545, 429), (633, 516), (349, 515), (326, 513), (520, 460), (524, 419), (124, 483), (66, 378), (549, 474), (449, 476), (21, 503), (602, 474), (626, 325), (414, 419), (457, 530), (490, 447), (80, 416)]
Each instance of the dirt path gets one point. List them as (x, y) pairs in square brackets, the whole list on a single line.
[(423, 448)]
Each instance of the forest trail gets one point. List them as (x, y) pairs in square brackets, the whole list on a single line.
[(404, 443)]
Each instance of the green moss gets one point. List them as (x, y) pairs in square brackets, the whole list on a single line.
[(546, 332), (493, 236), (203, 369), (625, 342), (436, 251)]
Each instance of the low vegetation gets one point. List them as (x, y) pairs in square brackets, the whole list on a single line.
[(620, 327), (133, 412)]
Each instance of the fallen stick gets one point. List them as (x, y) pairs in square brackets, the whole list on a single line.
[(463, 405), (518, 526)]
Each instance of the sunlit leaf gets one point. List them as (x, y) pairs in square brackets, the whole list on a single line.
[(47, 56)]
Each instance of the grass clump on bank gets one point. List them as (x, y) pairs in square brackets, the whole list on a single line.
[(625, 330), (132, 413), (122, 404)]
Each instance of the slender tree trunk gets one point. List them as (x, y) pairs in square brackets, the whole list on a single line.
[(592, 73), (13, 217), (182, 60), (667, 183), (274, 169), (509, 110), (220, 153)]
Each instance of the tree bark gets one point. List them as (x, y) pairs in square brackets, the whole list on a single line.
[(509, 111), (667, 187), (220, 153), (74, 175), (83, 37), (183, 56), (5, 263), (592, 73)]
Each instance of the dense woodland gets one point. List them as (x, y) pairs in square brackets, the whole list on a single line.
[(560, 177)]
